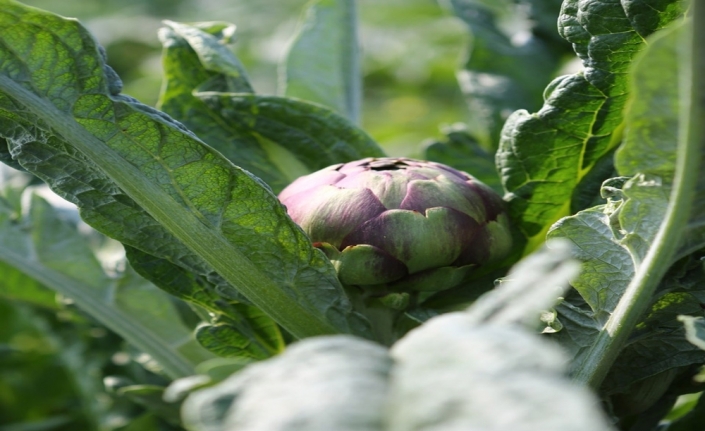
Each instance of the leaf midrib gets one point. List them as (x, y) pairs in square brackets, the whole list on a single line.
[(195, 234), (90, 299)]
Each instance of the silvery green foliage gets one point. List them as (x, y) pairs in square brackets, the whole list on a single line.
[(448, 375), (321, 384), (455, 375), (474, 370)]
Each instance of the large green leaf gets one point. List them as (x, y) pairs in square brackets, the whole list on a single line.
[(277, 139), (40, 251), (140, 177), (613, 239), (322, 64), (616, 241), (544, 157)]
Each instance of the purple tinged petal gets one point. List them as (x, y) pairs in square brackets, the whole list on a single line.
[(421, 242), (493, 203), (388, 186), (327, 176), (500, 237), (394, 213), (432, 280), (362, 265), (443, 192), (356, 166), (453, 173), (328, 213), (492, 242), (477, 252)]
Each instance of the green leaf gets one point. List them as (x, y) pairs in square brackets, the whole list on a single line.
[(145, 422), (658, 344), (44, 248), (461, 151), (5, 156), (47, 377), (151, 397), (628, 245), (241, 329), (609, 241), (531, 285), (692, 420), (508, 64), (544, 156), (321, 384), (204, 47), (613, 239), (322, 64), (461, 375), (292, 130), (14, 284), (140, 177), (253, 335), (607, 267), (694, 330), (276, 139)]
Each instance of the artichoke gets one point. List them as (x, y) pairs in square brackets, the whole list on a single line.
[(393, 225)]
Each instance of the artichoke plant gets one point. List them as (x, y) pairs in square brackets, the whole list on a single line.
[(392, 225)]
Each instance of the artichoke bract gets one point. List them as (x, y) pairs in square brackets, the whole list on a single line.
[(400, 225)]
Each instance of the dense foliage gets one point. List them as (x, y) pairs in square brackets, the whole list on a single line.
[(168, 300)]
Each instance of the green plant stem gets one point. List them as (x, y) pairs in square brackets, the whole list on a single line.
[(638, 295), (92, 302), (185, 225)]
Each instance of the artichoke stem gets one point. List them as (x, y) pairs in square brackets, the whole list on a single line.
[(381, 317)]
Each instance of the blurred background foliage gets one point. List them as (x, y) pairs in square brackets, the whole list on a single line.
[(411, 50)]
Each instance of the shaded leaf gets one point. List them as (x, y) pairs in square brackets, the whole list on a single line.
[(151, 397), (508, 63), (545, 155), (322, 64), (691, 421), (250, 333), (464, 153), (694, 330), (277, 139), (47, 251), (253, 335), (291, 129)]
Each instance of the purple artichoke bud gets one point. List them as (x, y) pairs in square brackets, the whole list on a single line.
[(402, 224)]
